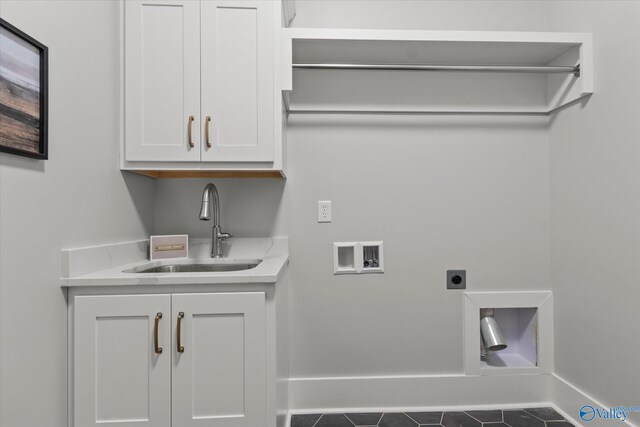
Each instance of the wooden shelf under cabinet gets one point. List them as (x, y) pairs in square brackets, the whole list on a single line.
[(211, 173)]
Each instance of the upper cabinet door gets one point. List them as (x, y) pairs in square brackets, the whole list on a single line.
[(219, 373), (119, 379), (162, 80), (237, 80)]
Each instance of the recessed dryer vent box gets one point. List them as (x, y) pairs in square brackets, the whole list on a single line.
[(525, 320), (358, 257)]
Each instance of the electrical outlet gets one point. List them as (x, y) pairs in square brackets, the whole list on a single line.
[(456, 279), (324, 210)]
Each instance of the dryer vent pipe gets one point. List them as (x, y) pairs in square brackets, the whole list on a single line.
[(491, 335)]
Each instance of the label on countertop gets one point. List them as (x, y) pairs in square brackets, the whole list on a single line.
[(164, 247)]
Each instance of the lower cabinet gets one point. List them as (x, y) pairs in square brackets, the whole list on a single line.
[(169, 360)]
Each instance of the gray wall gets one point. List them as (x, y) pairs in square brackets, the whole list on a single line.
[(595, 206), (248, 207), (481, 15), (441, 192), (77, 198)]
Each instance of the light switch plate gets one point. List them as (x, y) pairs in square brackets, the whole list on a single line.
[(324, 210)]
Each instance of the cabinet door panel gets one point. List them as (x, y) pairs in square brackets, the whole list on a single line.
[(237, 80), (162, 81), (218, 359), (219, 379), (118, 379)]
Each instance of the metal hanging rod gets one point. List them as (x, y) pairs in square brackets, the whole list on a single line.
[(575, 70), (419, 112)]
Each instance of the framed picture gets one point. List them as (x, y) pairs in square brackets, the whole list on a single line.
[(23, 93)]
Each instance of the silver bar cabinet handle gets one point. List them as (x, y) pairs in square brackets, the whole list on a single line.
[(207, 122), (157, 349), (190, 131), (179, 346)]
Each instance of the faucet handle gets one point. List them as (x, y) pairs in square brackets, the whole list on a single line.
[(224, 236)]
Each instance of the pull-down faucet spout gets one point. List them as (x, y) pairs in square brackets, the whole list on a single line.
[(211, 202)]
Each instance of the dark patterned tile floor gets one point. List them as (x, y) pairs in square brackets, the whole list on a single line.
[(527, 417)]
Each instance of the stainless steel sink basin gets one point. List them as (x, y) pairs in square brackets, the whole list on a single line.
[(197, 267)]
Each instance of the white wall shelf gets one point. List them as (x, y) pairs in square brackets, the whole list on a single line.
[(531, 84)]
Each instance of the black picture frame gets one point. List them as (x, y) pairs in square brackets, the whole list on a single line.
[(43, 119)]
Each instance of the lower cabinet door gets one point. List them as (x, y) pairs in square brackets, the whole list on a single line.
[(218, 376), (120, 378)]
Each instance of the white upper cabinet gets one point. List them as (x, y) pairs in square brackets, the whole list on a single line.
[(237, 80), (162, 80), (199, 84)]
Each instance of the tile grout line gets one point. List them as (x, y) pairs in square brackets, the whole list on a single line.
[(469, 415), (409, 416), (318, 420), (534, 416), (350, 420), (544, 421)]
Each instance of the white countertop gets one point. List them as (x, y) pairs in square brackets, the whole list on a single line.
[(109, 263)]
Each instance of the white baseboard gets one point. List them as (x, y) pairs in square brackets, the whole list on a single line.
[(408, 393), (568, 399)]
